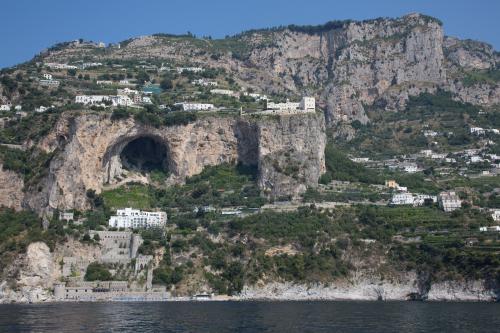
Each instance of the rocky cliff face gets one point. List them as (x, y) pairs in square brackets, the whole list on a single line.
[(288, 163), (11, 189), (90, 148), (345, 64)]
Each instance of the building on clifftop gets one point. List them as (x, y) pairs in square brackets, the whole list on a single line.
[(136, 219)]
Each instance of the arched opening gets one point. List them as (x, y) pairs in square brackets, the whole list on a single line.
[(145, 154)]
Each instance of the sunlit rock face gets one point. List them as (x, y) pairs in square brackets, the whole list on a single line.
[(97, 151)]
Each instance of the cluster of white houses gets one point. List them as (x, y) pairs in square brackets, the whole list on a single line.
[(482, 131), (407, 198), (118, 100), (189, 106), (448, 201), (130, 218)]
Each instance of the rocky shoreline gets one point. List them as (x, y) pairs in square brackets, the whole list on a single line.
[(363, 290)]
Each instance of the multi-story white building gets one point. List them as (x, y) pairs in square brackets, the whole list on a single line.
[(404, 198), (419, 199), (119, 100), (495, 214), (136, 219), (91, 99), (477, 130), (195, 106), (47, 76), (306, 104), (449, 201), (5, 107), (283, 106)]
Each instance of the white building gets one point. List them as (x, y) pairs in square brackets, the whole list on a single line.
[(226, 92), (205, 83), (283, 106), (147, 100), (306, 104), (66, 216), (404, 198), (43, 108), (47, 76), (91, 64), (59, 66), (126, 91), (421, 198), (495, 214), (477, 130), (104, 82), (49, 83), (256, 96), (476, 159), (91, 99), (5, 107), (125, 83), (360, 159), (449, 201), (426, 153), (438, 156), (189, 69), (492, 228), (119, 100), (429, 133), (136, 219), (195, 106), (410, 168)]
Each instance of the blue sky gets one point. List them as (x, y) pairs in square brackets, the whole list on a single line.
[(28, 26)]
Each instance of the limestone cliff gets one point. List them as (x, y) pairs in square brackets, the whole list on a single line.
[(346, 64), (11, 189), (89, 147), (288, 163)]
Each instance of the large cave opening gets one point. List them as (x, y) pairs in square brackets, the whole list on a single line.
[(145, 154)]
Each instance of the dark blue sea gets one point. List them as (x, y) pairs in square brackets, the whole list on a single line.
[(252, 317)]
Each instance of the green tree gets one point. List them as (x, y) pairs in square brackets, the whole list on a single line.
[(97, 272), (166, 84)]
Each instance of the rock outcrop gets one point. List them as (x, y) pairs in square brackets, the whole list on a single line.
[(90, 145), (288, 163), (11, 189), (370, 289)]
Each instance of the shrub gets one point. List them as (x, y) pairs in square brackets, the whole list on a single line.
[(97, 272)]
